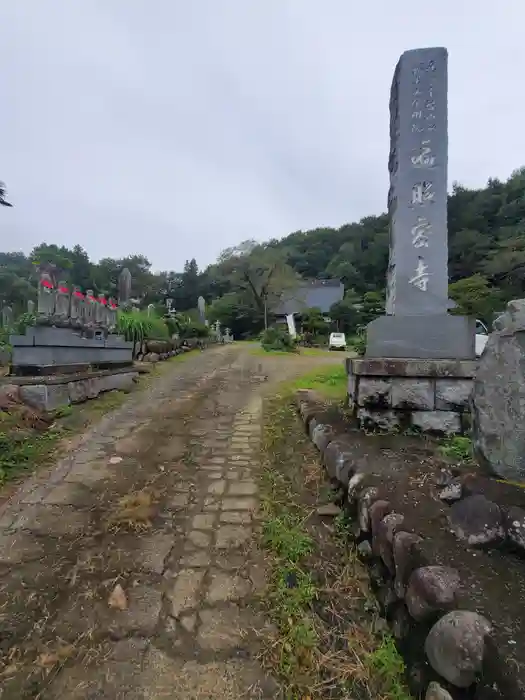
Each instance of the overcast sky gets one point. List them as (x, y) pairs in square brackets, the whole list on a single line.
[(176, 128)]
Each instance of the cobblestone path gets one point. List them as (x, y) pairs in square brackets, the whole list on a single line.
[(130, 569)]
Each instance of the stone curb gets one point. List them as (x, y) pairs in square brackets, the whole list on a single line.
[(49, 397), (418, 598)]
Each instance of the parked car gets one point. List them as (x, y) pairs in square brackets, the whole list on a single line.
[(482, 335), (337, 341)]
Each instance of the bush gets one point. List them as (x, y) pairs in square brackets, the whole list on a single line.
[(192, 329), (277, 340), (24, 321)]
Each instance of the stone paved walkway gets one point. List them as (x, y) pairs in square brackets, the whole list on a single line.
[(129, 569)]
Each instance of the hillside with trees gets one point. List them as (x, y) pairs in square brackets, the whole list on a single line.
[(486, 265)]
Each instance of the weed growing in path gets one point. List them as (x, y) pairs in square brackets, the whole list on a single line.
[(21, 449), (318, 596), (457, 448)]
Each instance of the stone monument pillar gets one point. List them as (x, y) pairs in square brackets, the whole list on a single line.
[(417, 324), (201, 305), (124, 289), (419, 361)]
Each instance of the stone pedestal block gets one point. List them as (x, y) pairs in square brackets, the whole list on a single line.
[(429, 395)]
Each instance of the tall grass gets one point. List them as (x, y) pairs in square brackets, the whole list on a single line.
[(138, 326)]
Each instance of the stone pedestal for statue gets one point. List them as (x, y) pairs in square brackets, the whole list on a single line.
[(416, 326)]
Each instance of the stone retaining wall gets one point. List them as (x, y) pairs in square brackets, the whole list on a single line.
[(454, 610), (428, 395), (50, 393)]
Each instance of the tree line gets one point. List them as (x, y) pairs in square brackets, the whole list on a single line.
[(486, 265)]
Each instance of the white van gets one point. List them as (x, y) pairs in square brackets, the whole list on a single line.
[(337, 341), (482, 335)]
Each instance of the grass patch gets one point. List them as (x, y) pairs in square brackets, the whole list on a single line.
[(21, 449), (457, 448), (318, 596), (259, 351), (109, 401), (330, 381), (316, 352)]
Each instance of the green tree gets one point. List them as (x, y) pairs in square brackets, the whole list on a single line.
[(53, 259), (259, 273), (373, 305), (190, 285), (475, 297), (505, 265), (234, 312), (313, 321), (347, 313), (3, 195)]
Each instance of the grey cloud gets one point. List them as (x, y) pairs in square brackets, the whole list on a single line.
[(179, 128)]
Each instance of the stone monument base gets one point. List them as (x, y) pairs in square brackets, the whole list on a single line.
[(433, 337), (395, 394)]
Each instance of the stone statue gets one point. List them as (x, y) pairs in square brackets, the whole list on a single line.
[(112, 314), (46, 298), (31, 307), (100, 311), (77, 307), (62, 303), (151, 308), (89, 309)]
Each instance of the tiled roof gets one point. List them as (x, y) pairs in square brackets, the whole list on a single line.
[(316, 293)]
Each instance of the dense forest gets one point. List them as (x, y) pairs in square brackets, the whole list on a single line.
[(486, 265)]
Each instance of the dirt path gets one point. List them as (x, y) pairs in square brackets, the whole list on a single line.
[(129, 569)]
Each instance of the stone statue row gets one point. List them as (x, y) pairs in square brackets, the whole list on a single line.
[(64, 307)]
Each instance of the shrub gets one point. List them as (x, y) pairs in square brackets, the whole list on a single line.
[(24, 321), (277, 340), (192, 329)]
